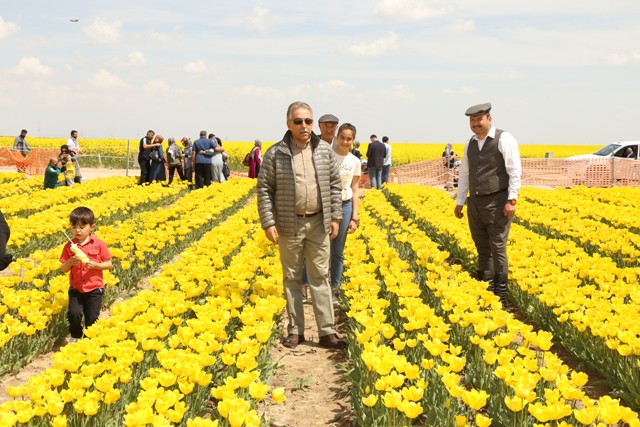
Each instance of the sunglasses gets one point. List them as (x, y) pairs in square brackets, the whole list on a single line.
[(298, 122)]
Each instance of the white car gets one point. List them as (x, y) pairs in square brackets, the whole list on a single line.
[(618, 149), (602, 169)]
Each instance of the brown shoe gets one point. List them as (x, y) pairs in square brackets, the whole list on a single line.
[(332, 341), (293, 340)]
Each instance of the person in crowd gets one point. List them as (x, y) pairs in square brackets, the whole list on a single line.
[(356, 150), (20, 143), (5, 233), (217, 160), (386, 164), (157, 170), (490, 173), (85, 278), (376, 152), (52, 172), (187, 152), (299, 194), (203, 149), (255, 157), (349, 168), (74, 147), (67, 175), (449, 161), (147, 144), (328, 124), (174, 160)]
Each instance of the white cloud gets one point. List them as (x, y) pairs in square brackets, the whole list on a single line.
[(396, 93), (260, 20), (464, 90), (158, 86), (32, 66), (137, 59), (255, 91), (462, 26), (106, 80), (161, 37), (195, 67), (376, 47), (408, 10), (7, 28), (102, 31), (299, 91), (333, 84), (623, 58)]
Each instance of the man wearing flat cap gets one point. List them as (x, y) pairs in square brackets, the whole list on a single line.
[(328, 126), (490, 174)]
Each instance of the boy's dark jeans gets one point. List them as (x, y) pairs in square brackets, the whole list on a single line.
[(83, 303)]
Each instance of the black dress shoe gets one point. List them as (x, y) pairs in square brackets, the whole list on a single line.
[(332, 341), (293, 340)]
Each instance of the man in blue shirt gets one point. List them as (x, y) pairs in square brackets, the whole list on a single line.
[(203, 150)]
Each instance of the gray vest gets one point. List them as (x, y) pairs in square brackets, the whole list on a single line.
[(487, 172)]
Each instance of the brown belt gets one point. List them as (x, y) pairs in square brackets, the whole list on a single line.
[(308, 215)]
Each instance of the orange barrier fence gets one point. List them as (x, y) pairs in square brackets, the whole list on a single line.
[(34, 163), (606, 172)]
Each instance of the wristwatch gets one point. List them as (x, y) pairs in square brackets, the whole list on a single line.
[(512, 201)]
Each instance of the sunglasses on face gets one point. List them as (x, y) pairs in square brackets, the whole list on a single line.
[(298, 122)]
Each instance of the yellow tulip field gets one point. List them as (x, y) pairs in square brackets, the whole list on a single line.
[(113, 150), (194, 305)]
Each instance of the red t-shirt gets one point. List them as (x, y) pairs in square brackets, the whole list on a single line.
[(81, 277)]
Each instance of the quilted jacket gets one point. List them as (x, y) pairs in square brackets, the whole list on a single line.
[(276, 185)]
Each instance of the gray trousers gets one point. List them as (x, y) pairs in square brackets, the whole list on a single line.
[(311, 242), (490, 231)]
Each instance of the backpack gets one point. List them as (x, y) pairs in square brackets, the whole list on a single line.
[(247, 158)]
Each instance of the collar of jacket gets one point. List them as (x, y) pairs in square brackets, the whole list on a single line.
[(287, 142)]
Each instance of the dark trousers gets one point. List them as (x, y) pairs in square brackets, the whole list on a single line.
[(5, 233), (188, 173), (203, 175), (490, 231), (81, 304), (172, 170), (145, 169)]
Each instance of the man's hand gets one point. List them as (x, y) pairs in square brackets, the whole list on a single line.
[(509, 210), (271, 233), (333, 229), (458, 211)]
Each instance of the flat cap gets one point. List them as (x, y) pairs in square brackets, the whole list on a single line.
[(328, 118), (478, 109)]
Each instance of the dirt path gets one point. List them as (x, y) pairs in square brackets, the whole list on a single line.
[(316, 395)]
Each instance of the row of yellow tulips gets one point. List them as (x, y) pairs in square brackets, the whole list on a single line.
[(405, 361), (38, 199), (509, 349), (556, 285), (97, 380), (557, 215), (39, 298), (17, 184), (44, 228)]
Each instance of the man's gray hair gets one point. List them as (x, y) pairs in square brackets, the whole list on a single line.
[(295, 106), (203, 134)]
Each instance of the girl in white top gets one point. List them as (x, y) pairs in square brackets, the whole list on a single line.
[(350, 172)]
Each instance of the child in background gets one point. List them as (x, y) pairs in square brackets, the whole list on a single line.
[(68, 172), (85, 280)]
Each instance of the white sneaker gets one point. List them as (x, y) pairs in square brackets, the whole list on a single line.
[(72, 340)]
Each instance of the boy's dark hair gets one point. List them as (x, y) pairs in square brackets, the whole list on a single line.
[(385, 139), (82, 216)]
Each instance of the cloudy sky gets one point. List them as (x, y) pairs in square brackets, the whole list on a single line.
[(556, 71)]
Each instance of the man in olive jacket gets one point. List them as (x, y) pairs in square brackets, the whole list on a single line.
[(299, 201)]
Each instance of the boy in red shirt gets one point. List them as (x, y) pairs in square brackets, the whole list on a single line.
[(85, 293)]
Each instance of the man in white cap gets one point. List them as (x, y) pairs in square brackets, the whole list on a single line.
[(490, 173), (328, 124)]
